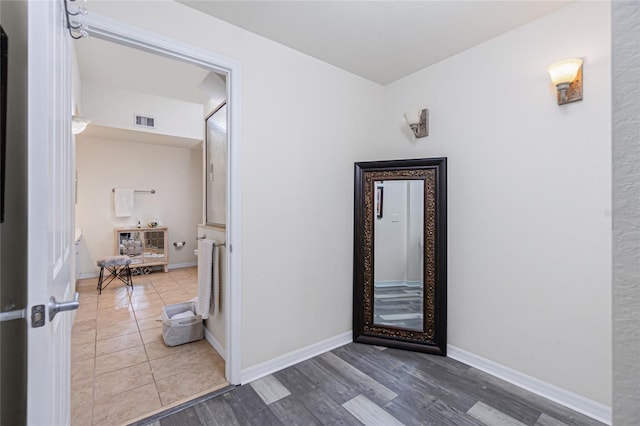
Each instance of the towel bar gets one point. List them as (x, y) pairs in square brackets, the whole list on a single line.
[(219, 244), (150, 191)]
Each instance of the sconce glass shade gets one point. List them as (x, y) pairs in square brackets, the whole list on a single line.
[(564, 72), (419, 122), (78, 124), (412, 117)]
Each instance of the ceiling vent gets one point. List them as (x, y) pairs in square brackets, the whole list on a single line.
[(143, 121)]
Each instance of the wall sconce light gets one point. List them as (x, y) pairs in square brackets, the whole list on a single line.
[(419, 122), (567, 77), (78, 124)]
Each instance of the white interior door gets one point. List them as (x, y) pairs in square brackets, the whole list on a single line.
[(50, 207)]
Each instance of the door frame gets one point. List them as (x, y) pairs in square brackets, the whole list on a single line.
[(128, 35)]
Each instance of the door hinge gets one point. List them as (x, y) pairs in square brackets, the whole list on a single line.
[(37, 316)]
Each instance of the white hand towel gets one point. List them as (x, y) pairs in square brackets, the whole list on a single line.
[(215, 277), (208, 279), (124, 202), (205, 251)]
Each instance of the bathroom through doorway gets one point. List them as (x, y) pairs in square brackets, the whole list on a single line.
[(150, 160)]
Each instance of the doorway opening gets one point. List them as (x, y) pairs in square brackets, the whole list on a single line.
[(146, 160)]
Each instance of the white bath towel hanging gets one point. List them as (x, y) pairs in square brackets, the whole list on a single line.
[(124, 201), (208, 278), (215, 274)]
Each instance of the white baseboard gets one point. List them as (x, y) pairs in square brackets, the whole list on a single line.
[(554, 393), (264, 369), (209, 337), (182, 265), (88, 275)]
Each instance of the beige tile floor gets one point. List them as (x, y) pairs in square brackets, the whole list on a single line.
[(120, 366)]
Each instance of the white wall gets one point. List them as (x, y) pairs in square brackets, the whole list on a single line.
[(175, 174), (115, 107), (303, 125), (529, 196)]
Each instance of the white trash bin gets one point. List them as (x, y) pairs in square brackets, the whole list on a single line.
[(183, 330)]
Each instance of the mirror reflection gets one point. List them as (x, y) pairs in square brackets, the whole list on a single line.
[(398, 296), (216, 158)]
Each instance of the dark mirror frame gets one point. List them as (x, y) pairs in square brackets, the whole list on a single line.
[(433, 338)]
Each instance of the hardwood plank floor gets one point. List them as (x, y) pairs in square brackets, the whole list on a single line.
[(361, 384)]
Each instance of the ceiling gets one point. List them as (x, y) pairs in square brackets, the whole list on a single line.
[(114, 65), (379, 40)]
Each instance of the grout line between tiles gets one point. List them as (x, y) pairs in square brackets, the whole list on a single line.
[(146, 354)]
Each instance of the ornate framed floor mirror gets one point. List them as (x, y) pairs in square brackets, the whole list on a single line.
[(400, 254)]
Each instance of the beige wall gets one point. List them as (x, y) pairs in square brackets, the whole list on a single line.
[(529, 196), (175, 174)]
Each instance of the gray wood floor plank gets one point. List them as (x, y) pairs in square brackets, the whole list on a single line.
[(249, 409), (374, 390), (295, 381), (386, 360), (394, 378), (456, 398), (187, 417), (545, 420), (430, 361), (413, 393), (551, 408), (407, 376), (479, 390), (328, 411), (414, 388), (216, 412), (369, 413), (269, 389), (290, 411), (442, 414), (327, 381), (410, 408), (492, 417)]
